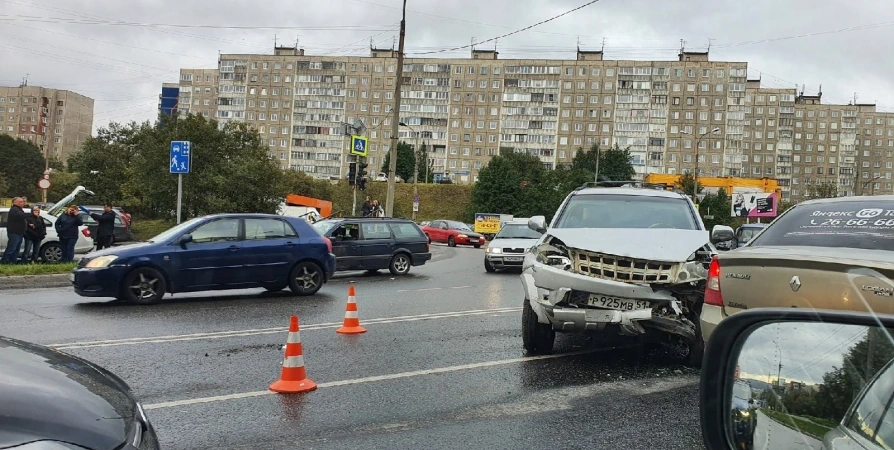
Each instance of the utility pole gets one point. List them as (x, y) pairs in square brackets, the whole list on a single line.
[(598, 151), (395, 124)]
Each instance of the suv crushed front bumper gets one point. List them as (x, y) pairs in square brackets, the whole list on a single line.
[(558, 297)]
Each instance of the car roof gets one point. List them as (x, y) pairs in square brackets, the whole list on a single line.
[(634, 191), (248, 215)]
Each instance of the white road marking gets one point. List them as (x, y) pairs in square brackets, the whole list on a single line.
[(260, 331), (394, 376), (433, 289)]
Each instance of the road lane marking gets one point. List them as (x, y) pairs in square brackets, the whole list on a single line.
[(373, 379), (433, 289), (261, 331)]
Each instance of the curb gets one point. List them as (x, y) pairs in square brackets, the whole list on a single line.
[(55, 280)]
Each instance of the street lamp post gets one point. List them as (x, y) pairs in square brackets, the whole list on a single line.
[(415, 164), (698, 143)]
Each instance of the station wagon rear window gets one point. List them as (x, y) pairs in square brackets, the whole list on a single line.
[(404, 230), (866, 225)]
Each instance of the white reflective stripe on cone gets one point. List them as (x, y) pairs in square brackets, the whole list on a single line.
[(294, 338), (351, 315), (351, 300), (294, 361)]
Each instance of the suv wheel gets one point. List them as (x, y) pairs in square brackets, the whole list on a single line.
[(538, 338), (488, 267), (400, 264)]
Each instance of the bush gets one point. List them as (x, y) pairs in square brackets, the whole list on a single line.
[(436, 201)]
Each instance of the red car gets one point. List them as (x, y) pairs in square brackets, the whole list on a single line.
[(453, 233)]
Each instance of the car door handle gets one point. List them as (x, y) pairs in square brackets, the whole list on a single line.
[(233, 248), (289, 244)]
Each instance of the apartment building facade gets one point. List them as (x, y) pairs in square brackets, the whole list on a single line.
[(674, 116), (58, 121)]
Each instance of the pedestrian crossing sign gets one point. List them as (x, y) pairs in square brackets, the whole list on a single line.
[(359, 145)]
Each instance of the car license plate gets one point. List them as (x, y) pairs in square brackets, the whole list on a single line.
[(72, 277), (607, 302), (474, 240), (513, 258)]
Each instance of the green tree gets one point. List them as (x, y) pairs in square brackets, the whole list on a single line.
[(301, 183), (613, 163), (824, 189), (21, 166), (717, 205), (61, 184), (511, 183), (405, 161), (3, 186), (103, 160), (423, 155), (687, 184), (231, 169)]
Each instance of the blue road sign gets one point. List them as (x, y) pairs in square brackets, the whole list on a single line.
[(181, 156), (359, 145)]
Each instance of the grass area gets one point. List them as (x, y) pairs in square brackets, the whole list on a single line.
[(147, 229), (12, 270), (812, 427)]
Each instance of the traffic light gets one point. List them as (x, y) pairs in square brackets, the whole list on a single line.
[(352, 173), (361, 175)]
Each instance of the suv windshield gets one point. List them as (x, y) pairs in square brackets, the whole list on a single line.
[(747, 234), (517, 231), (626, 211), (865, 225), (742, 391)]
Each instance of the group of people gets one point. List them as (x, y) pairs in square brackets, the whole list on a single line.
[(29, 230), (372, 208)]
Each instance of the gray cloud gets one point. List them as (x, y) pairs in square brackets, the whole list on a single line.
[(124, 73)]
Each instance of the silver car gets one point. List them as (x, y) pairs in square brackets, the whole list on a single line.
[(508, 247)]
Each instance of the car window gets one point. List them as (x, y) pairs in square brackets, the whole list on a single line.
[(458, 226), (348, 231), (741, 391), (256, 229), (216, 231), (875, 411), (87, 219), (403, 230), (375, 230), (864, 224), (626, 211), (517, 231), (3, 217), (324, 226), (47, 222)]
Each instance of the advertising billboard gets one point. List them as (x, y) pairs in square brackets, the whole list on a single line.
[(754, 204)]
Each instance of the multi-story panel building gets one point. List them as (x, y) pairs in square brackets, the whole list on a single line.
[(679, 116), (57, 121)]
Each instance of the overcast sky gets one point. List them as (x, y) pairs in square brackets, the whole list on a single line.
[(71, 45), (809, 350)]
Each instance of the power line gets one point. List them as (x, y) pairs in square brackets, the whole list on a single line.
[(21, 18), (513, 32)]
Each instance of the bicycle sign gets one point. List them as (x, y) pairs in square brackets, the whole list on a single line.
[(359, 145)]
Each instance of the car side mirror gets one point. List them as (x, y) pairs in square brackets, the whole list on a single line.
[(721, 233), (185, 239), (801, 370), (538, 224)]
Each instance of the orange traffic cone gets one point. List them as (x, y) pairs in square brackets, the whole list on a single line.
[(352, 319), (294, 378)]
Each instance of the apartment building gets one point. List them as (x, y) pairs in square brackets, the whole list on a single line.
[(675, 116), (57, 121)]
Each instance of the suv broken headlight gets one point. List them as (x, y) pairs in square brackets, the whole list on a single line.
[(553, 255)]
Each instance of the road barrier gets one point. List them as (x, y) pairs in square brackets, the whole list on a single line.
[(294, 377), (352, 318)]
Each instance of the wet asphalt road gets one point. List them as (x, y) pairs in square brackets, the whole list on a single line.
[(440, 367)]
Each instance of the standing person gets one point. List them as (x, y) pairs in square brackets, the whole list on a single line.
[(36, 232), (105, 229), (366, 209), (15, 230), (67, 228)]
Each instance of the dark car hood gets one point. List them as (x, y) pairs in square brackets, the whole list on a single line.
[(49, 395)]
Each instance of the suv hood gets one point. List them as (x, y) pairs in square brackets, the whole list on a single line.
[(666, 245), (512, 243), (50, 395)]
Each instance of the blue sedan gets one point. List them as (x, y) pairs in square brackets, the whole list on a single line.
[(223, 251)]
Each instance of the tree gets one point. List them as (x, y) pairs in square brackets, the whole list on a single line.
[(22, 166), (823, 189), (425, 176), (103, 160), (301, 183), (511, 183), (687, 184), (717, 205), (3, 186), (61, 184), (405, 161), (613, 163)]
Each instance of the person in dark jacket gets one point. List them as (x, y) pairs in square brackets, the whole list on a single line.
[(105, 229), (67, 228), (34, 234), (15, 231), (366, 209)]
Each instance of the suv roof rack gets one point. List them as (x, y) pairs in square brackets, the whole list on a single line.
[(631, 183)]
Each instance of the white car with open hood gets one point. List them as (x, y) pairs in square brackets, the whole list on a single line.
[(629, 260)]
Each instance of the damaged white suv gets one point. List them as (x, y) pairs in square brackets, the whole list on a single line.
[(630, 260)]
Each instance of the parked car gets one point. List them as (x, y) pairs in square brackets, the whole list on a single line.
[(50, 250), (123, 232), (376, 243), (747, 232), (744, 415), (53, 400), (223, 251), (628, 260), (507, 249), (812, 249), (453, 233)]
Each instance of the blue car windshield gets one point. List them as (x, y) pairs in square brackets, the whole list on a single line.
[(179, 229)]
